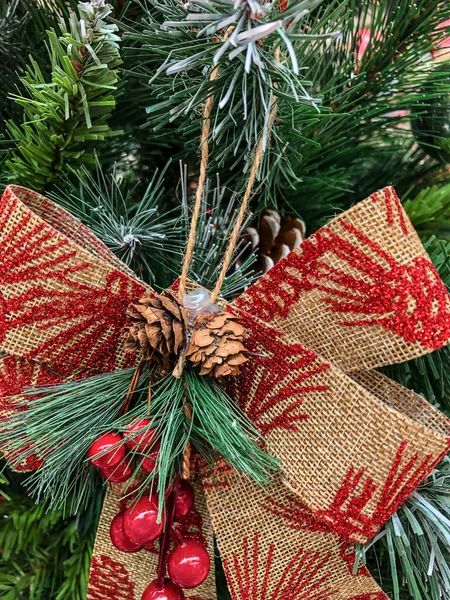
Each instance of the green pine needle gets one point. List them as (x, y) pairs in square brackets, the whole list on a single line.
[(65, 116), (60, 424)]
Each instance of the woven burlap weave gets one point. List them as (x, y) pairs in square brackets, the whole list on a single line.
[(372, 243), (353, 445)]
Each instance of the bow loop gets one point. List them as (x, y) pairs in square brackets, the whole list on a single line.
[(362, 291), (63, 294)]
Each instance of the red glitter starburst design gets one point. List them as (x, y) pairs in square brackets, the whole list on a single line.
[(370, 596), (345, 515), (109, 580), (358, 277), (394, 209), (16, 374), (271, 387), (83, 319), (304, 578)]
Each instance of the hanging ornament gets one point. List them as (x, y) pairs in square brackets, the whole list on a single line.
[(140, 521), (430, 120), (142, 441), (184, 502), (122, 472), (350, 299), (163, 591), (188, 565), (106, 452), (119, 539), (149, 462)]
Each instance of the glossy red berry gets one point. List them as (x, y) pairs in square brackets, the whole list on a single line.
[(184, 502), (167, 591), (118, 474), (105, 452), (140, 441), (149, 462), (140, 521), (188, 565), (118, 538)]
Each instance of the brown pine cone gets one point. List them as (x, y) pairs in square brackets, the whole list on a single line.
[(272, 239), (216, 344), (157, 325)]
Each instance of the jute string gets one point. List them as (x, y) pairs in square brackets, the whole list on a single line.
[(245, 201), (201, 183)]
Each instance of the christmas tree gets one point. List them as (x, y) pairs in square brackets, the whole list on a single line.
[(124, 113)]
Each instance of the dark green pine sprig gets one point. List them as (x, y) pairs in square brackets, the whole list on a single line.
[(63, 117), (60, 424), (366, 142), (195, 409), (45, 554)]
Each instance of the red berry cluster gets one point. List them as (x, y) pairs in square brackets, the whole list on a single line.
[(187, 563), (110, 455)]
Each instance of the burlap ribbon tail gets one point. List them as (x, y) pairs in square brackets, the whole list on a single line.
[(359, 294)]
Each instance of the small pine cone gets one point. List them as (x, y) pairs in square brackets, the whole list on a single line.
[(272, 239), (157, 325), (216, 344)]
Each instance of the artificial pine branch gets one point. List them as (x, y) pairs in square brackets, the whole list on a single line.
[(60, 423), (129, 220), (65, 116), (240, 43)]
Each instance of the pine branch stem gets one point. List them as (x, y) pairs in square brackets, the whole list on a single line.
[(168, 529)]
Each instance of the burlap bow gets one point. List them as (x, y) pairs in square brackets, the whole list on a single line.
[(359, 294)]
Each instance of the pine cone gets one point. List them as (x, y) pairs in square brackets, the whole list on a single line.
[(216, 344), (273, 238), (157, 325)]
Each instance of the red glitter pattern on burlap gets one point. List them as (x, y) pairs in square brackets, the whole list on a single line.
[(299, 517), (345, 514), (92, 315), (370, 596), (408, 300), (109, 580), (394, 209), (291, 371), (16, 374), (304, 578)]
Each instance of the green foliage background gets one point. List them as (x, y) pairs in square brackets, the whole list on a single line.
[(105, 139)]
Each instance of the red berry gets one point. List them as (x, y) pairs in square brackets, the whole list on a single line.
[(141, 441), (188, 565), (149, 462), (167, 591), (185, 501), (121, 473), (140, 521), (106, 442), (118, 538)]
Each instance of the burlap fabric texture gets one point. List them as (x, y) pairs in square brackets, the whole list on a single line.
[(358, 294)]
